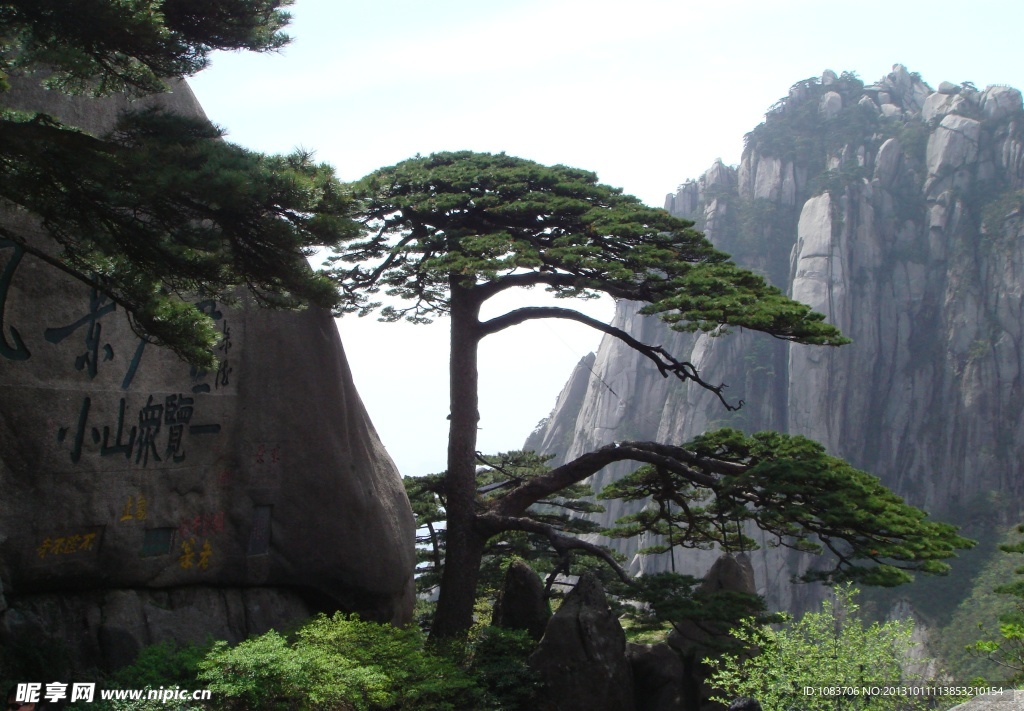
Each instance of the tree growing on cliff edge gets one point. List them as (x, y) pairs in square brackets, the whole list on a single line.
[(445, 233), (160, 206), (1007, 651)]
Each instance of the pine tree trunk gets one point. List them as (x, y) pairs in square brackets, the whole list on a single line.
[(464, 545)]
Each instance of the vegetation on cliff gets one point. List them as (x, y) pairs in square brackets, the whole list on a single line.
[(160, 206), (334, 662), (1003, 648)]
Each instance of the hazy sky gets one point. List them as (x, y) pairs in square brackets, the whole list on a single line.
[(647, 94)]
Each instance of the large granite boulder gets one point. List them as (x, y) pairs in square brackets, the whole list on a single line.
[(582, 657), (730, 573), (521, 604), (142, 500)]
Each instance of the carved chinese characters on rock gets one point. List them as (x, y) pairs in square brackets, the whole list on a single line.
[(116, 411), (157, 434), (156, 431), (149, 429), (196, 549), (136, 508), (224, 369), (13, 349), (68, 544), (99, 306), (203, 525), (222, 376), (267, 455), (195, 556)]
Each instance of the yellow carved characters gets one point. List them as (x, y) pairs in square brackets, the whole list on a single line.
[(66, 545), (134, 509), (188, 558)]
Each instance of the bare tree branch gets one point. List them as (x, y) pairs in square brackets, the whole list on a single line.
[(524, 280), (362, 280), (676, 459), (561, 568), (552, 275), (512, 478), (492, 524), (662, 359)]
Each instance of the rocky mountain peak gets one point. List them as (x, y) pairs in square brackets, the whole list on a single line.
[(896, 210)]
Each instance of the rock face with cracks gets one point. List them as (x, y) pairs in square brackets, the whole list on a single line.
[(898, 212), (141, 500), (582, 656)]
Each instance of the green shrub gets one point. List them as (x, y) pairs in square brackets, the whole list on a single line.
[(144, 704), (977, 617), (339, 663), (1006, 649), (159, 666), (165, 664), (336, 662), (832, 648), (498, 664)]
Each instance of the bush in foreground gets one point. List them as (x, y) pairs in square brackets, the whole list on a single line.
[(831, 648), (334, 662)]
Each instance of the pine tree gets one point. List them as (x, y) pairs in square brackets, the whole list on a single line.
[(445, 233), (161, 206)]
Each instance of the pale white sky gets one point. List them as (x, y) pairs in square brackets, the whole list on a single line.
[(647, 94)]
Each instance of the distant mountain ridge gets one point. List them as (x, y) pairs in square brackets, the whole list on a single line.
[(896, 210)]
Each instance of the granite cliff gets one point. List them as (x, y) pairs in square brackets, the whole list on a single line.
[(898, 212), (143, 501)]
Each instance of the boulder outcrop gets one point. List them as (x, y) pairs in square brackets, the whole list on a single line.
[(695, 641), (521, 604), (582, 656), (141, 500)]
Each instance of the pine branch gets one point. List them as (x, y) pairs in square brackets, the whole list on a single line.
[(492, 525), (676, 459), (666, 363)]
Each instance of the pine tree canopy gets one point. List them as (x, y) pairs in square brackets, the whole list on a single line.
[(160, 208), (799, 495), (131, 45), (493, 222)]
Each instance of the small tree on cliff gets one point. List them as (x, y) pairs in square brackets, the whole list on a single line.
[(160, 206), (1008, 650), (447, 232)]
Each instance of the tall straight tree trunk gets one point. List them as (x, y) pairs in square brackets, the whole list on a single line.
[(464, 545)]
